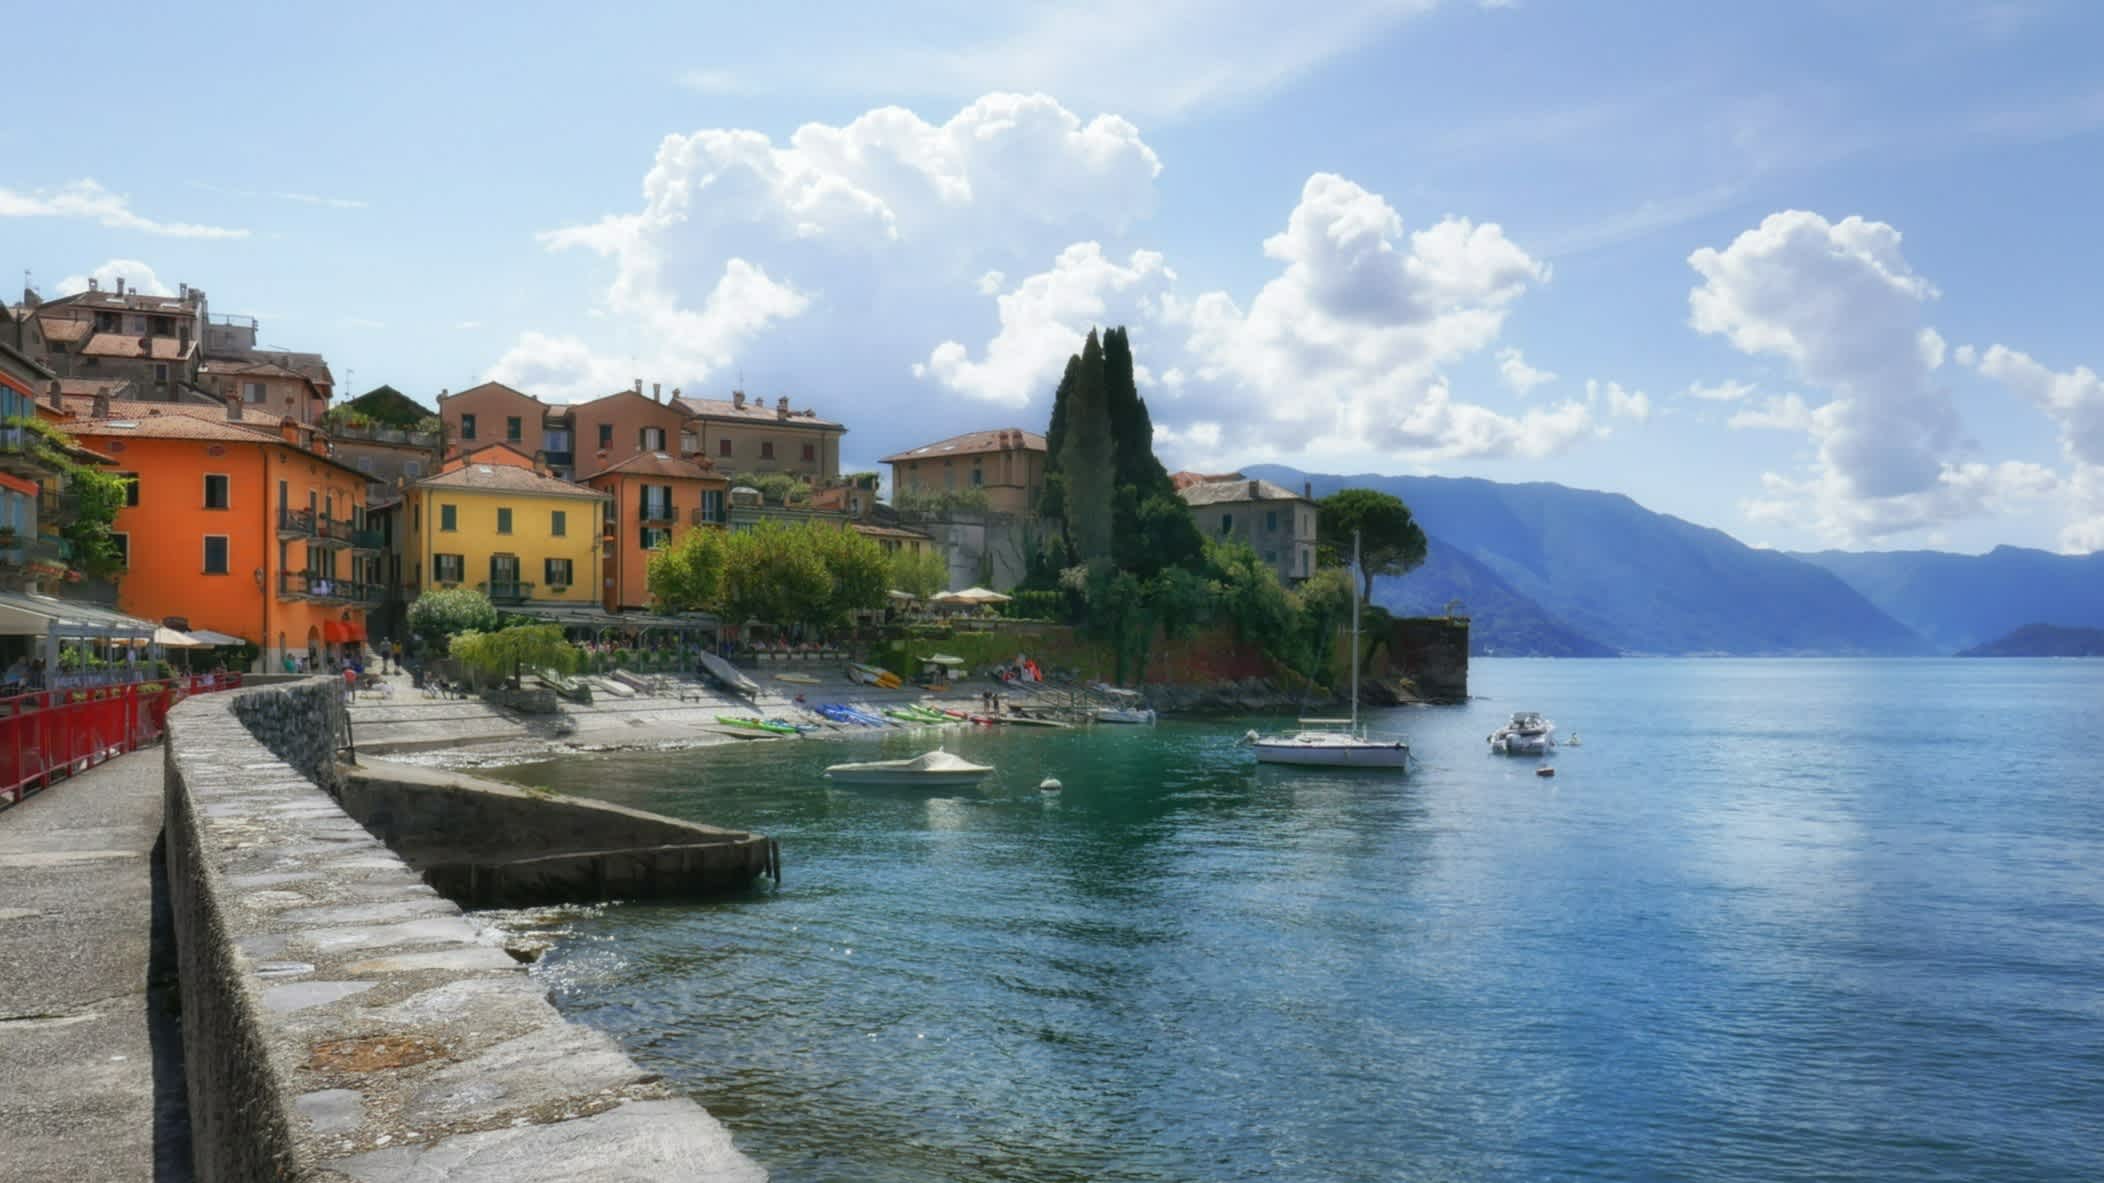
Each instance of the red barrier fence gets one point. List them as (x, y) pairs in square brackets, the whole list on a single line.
[(53, 734)]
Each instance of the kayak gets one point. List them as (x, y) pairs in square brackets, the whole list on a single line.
[(752, 724)]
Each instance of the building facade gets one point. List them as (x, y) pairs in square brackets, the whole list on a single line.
[(1275, 520), (610, 431), (1006, 467), (240, 523), (391, 458), (654, 497), (493, 522)]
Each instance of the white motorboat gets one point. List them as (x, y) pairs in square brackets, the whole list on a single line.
[(929, 768), (1335, 743), (1528, 734), (1125, 706)]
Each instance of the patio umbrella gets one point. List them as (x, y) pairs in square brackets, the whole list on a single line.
[(215, 640), (168, 638), (982, 595)]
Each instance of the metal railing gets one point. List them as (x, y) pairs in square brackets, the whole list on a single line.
[(295, 521), (51, 734), (701, 516), (308, 585), (366, 540), (658, 511), (505, 591)]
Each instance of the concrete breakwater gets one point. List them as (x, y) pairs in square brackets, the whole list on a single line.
[(344, 1021)]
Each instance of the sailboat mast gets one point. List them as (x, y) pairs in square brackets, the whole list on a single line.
[(1355, 632)]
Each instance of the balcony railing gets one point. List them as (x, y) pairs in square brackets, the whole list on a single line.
[(309, 586), (295, 523), (701, 516), (34, 548), (366, 540), (506, 591), (658, 513)]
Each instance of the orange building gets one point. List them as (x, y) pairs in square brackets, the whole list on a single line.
[(656, 498), (238, 522)]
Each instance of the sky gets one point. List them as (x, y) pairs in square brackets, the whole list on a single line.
[(1816, 274)]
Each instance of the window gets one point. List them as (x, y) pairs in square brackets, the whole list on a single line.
[(215, 554), (160, 371), (467, 427), (449, 517), (656, 503), (689, 443), (1304, 564), (123, 544), (978, 476), (416, 516), (1271, 519), (606, 435), (766, 449), (447, 568), (215, 491), (514, 429), (414, 468), (712, 505), (1227, 523), (558, 523), (652, 439), (810, 451), (556, 440), (503, 520), (656, 536), (252, 392), (556, 573), (131, 489), (723, 447)]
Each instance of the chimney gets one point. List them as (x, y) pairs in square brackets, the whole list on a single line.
[(102, 404), (781, 407), (1252, 490), (94, 285), (639, 386), (1307, 490), (738, 399), (120, 285), (57, 395), (657, 393), (182, 291), (233, 408), (675, 394)]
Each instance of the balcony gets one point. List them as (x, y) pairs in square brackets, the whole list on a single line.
[(295, 523), (657, 513), (506, 591), (306, 585), (700, 516), (35, 549), (19, 449), (367, 540), (331, 532)]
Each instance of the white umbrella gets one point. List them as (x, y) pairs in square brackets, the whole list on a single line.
[(983, 595), (168, 638), (215, 640)]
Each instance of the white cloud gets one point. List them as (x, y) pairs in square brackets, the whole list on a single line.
[(2074, 400), (1787, 413), (88, 200), (1722, 392), (1838, 301), (1519, 377), (1622, 403), (137, 276), (716, 82)]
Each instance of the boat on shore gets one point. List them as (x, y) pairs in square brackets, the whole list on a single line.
[(728, 676), (1125, 706), (1527, 734), (934, 768), (1335, 743), (869, 675)]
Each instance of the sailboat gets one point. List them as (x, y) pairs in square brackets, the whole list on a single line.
[(1336, 743)]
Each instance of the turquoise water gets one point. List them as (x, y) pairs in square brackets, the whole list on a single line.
[(1773, 920)]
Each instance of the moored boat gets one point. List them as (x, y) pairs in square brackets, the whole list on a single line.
[(929, 768), (1527, 734), (1335, 743), (1125, 706)]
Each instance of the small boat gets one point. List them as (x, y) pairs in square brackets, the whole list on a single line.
[(870, 675), (1528, 734), (1545, 770), (797, 679), (728, 676), (752, 724), (929, 768), (1126, 706), (1335, 743)]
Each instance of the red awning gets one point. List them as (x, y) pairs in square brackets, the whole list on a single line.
[(17, 484), (354, 631), (333, 631)]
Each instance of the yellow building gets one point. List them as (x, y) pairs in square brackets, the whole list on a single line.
[(490, 522)]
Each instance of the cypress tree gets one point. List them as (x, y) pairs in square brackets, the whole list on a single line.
[(1088, 458)]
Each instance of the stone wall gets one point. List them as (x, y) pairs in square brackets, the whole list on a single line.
[(342, 1020), (300, 723), (1425, 659)]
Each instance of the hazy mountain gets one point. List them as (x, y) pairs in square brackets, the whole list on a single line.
[(1961, 600), (1622, 576), (1504, 622), (2043, 640)]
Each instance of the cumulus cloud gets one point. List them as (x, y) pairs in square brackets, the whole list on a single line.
[(1787, 413), (1721, 392), (88, 200), (1839, 302), (2074, 400), (858, 226), (136, 275), (1622, 403), (1518, 376)]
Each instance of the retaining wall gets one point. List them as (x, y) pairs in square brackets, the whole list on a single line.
[(488, 845), (343, 1021)]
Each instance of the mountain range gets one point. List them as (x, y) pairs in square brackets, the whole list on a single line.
[(1547, 570)]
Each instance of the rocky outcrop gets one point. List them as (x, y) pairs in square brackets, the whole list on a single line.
[(1244, 694)]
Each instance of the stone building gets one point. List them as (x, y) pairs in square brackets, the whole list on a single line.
[(1005, 466), (1275, 520)]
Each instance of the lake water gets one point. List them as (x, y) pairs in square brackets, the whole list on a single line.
[(1772, 920)]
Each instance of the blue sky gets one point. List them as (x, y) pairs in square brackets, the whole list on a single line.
[(1350, 237)]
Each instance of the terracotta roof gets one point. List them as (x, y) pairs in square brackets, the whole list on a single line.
[(63, 328), (1184, 480), (502, 478), (660, 464), (1225, 492), (479, 387), (83, 405), (890, 532), (126, 345), (973, 443), (86, 388), (133, 301), (155, 424), (756, 411), (250, 365)]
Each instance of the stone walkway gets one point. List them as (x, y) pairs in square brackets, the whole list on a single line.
[(79, 1024)]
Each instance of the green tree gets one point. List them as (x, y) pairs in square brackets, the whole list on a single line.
[(505, 653), (447, 612), (1088, 459), (97, 497), (919, 573), (688, 575), (858, 571), (1390, 540), (773, 573), (1052, 502)]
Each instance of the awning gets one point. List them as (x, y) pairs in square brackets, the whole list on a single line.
[(333, 630), (25, 615), (354, 631), (216, 640), (168, 638)]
